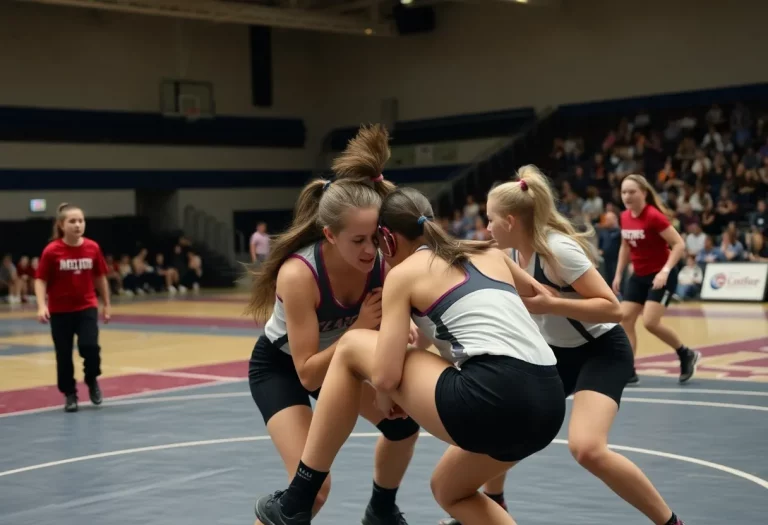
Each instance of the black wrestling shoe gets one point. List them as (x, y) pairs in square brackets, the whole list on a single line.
[(95, 392), (394, 517), (70, 405), (270, 512), (689, 359)]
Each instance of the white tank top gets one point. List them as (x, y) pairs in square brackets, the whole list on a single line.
[(483, 316)]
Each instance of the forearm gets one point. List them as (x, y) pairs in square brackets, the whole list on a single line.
[(316, 367), (675, 253), (102, 286), (621, 264), (593, 310), (40, 289)]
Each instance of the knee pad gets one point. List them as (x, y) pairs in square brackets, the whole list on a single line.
[(398, 429)]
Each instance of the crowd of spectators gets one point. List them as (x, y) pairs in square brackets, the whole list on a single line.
[(128, 276), (710, 170)]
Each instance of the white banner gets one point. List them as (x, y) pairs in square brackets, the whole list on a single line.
[(734, 281)]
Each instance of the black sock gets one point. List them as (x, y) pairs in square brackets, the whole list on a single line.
[(674, 520), (383, 500), (302, 491), (682, 351), (498, 498)]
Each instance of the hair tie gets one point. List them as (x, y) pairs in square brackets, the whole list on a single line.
[(325, 186), (422, 220), (378, 178), (523, 185)]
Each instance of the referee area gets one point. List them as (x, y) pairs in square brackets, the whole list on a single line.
[(178, 439)]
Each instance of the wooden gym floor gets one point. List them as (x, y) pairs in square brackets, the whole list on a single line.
[(178, 439)]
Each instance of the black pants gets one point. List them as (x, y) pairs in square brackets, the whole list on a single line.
[(64, 327)]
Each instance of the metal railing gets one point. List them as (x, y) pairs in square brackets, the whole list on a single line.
[(204, 228)]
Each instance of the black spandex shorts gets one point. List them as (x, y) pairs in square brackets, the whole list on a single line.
[(501, 406), (275, 385), (274, 382), (640, 289), (603, 365)]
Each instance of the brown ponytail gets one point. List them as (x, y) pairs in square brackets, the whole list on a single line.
[(408, 212), (358, 184)]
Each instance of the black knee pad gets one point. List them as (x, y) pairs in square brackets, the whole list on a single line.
[(398, 429)]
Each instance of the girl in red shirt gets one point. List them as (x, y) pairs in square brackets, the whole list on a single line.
[(71, 269), (654, 247)]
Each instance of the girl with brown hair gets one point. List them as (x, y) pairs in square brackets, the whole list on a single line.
[(654, 247), (323, 277), (494, 365), (72, 269)]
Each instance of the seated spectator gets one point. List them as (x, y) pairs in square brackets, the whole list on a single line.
[(10, 280), (192, 273), (479, 231), (758, 250), (114, 278), (695, 240), (592, 208), (710, 253), (700, 200), (731, 247), (130, 283), (758, 220), (689, 279), (27, 275), (686, 216)]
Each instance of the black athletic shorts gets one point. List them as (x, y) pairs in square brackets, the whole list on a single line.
[(501, 406), (274, 382), (640, 289), (602, 365)]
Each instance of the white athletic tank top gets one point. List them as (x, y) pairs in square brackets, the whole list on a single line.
[(482, 316), (333, 317), (572, 264)]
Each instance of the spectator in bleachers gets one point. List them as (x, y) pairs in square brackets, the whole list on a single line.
[(609, 242), (710, 253), (27, 275), (695, 239), (471, 209), (192, 273), (168, 277), (758, 220), (479, 231), (10, 280), (593, 207), (114, 279), (689, 279), (758, 250), (731, 247)]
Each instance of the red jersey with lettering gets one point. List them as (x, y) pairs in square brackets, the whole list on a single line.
[(647, 248), (69, 272)]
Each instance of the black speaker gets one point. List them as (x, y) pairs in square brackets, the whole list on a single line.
[(413, 20), (261, 66)]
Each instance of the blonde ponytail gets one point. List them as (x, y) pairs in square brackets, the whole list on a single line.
[(531, 200)]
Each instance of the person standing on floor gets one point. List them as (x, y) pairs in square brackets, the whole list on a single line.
[(72, 270)]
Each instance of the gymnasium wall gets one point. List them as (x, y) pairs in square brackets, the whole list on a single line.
[(504, 55), (73, 58)]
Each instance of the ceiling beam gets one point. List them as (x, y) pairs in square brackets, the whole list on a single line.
[(246, 14)]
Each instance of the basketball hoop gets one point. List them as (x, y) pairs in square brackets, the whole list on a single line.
[(192, 114)]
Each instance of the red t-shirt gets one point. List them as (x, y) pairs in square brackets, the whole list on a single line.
[(647, 248), (69, 272)]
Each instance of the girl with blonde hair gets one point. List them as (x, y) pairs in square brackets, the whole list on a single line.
[(653, 245), (580, 324), (323, 277)]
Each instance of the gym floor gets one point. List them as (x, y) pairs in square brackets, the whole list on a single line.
[(178, 440)]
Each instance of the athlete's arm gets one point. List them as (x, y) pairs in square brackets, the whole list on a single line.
[(621, 264), (676, 245), (598, 303), (294, 282), (392, 342), (417, 340)]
